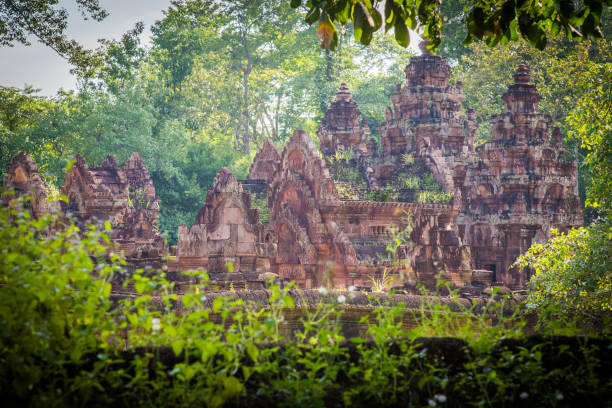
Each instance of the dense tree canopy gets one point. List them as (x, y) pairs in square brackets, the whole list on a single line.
[(220, 77)]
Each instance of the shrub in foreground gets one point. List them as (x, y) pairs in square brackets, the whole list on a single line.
[(65, 341)]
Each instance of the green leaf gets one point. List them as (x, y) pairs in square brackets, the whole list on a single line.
[(232, 386), (106, 290), (401, 33), (170, 330), (313, 15), (217, 304), (377, 18), (389, 14), (177, 346), (295, 3), (252, 351), (187, 300), (342, 13), (359, 21), (288, 301)]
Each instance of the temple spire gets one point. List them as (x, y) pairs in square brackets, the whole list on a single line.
[(522, 96)]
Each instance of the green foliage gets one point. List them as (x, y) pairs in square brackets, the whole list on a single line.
[(429, 183), (345, 170), (261, 204), (379, 195), (486, 75), (572, 275), (489, 20), (432, 197), (20, 110), (346, 191), (54, 297), (411, 182), (65, 343), (591, 124)]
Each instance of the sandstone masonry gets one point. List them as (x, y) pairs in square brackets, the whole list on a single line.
[(455, 210)]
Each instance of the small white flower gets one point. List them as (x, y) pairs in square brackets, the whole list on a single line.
[(351, 288), (523, 395), (440, 397), (341, 299), (322, 290), (156, 324), (559, 396), (432, 403)]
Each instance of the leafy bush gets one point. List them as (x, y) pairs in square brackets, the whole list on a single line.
[(66, 341), (54, 297), (572, 274)]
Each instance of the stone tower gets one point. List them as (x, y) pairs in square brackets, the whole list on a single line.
[(521, 186), (341, 128), (426, 121)]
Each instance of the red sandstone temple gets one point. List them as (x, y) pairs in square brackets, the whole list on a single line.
[(466, 213)]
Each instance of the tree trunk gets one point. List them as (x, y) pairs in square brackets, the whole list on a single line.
[(246, 71), (329, 65)]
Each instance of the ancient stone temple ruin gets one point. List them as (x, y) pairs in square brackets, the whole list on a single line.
[(519, 186), (470, 212), (227, 239), (24, 180), (399, 205), (125, 197)]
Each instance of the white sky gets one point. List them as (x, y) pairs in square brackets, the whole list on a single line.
[(42, 68)]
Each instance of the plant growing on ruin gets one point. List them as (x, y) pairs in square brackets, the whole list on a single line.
[(411, 182), (407, 159), (433, 197), (397, 250), (379, 195), (383, 282), (343, 156), (138, 198)]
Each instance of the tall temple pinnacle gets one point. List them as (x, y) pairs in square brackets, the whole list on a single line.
[(522, 96)]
